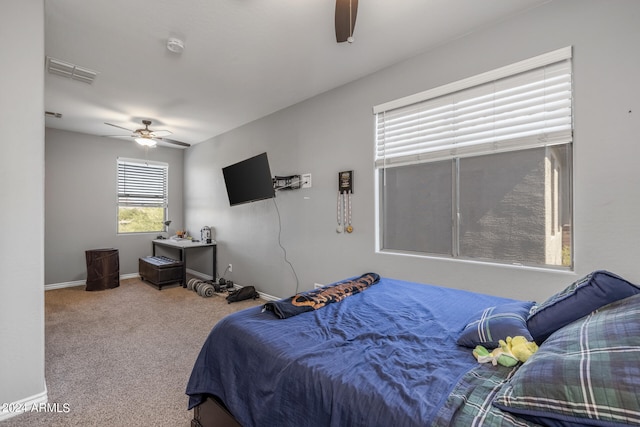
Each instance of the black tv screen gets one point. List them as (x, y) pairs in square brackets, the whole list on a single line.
[(249, 180)]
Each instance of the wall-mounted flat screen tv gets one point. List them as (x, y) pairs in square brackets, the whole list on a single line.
[(249, 180)]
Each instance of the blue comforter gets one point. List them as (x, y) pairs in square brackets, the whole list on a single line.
[(384, 357)]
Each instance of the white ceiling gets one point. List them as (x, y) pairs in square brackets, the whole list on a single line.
[(243, 59)]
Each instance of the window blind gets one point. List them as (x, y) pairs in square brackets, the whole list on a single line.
[(523, 105), (142, 183)]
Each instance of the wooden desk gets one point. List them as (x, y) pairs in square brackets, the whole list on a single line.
[(182, 247)]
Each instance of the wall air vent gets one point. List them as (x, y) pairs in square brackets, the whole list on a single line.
[(65, 69)]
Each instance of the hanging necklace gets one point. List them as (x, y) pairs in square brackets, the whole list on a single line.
[(349, 227), (340, 228)]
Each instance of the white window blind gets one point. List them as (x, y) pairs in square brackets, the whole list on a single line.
[(523, 105), (142, 183)]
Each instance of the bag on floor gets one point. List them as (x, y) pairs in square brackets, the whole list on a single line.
[(243, 293)]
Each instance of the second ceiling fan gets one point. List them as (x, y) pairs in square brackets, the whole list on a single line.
[(147, 137), (346, 11)]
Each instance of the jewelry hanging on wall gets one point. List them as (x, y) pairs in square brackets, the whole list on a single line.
[(340, 228), (345, 190), (349, 227)]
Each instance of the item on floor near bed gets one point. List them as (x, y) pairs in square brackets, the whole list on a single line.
[(388, 356), (320, 297), (204, 288), (103, 269), (246, 292), (207, 288), (160, 270), (593, 291)]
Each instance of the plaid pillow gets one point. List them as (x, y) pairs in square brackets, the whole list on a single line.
[(493, 324), (469, 403), (587, 373), (593, 291)]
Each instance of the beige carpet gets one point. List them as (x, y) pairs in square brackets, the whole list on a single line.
[(122, 357)]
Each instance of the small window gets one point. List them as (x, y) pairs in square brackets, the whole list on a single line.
[(481, 169), (142, 196)]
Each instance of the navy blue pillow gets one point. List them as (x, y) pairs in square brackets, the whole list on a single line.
[(493, 324), (583, 296)]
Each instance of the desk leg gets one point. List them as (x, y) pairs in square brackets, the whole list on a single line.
[(183, 258), (215, 257)]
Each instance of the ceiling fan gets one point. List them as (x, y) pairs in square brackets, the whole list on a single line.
[(147, 137), (346, 11)]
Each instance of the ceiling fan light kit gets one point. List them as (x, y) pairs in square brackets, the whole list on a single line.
[(145, 141)]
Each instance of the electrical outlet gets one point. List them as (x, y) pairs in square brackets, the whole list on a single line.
[(230, 268), (306, 180)]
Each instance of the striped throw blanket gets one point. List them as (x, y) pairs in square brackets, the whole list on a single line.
[(320, 297)]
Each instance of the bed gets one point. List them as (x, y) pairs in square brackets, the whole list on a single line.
[(397, 353)]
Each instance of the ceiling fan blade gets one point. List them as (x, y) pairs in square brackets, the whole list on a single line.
[(173, 141), (346, 11), (119, 136), (111, 124)]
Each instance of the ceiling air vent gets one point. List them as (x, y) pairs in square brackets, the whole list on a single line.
[(52, 114), (65, 69)]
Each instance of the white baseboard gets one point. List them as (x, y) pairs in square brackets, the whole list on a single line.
[(268, 297), (61, 285), (64, 285), (23, 405), (134, 275), (122, 277), (199, 274)]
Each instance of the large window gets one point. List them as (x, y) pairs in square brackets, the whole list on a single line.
[(481, 169), (142, 196)]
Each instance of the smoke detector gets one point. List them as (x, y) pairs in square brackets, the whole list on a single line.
[(175, 45)]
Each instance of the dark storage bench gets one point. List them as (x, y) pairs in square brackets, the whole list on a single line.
[(160, 270)]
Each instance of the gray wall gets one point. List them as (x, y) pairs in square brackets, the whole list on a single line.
[(334, 132), (81, 201), (22, 199)]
